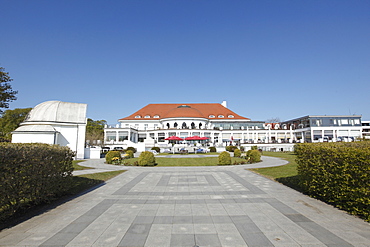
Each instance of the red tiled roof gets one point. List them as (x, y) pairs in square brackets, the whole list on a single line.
[(204, 110)]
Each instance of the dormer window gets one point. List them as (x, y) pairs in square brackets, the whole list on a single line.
[(137, 116), (220, 116), (156, 116), (230, 116), (147, 116), (211, 116)]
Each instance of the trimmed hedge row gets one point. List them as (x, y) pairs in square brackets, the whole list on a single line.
[(337, 173), (32, 173)]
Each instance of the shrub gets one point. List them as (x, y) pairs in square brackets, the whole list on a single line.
[(241, 148), (112, 154), (224, 158), (254, 148), (212, 149), (337, 173), (253, 156), (237, 153), (132, 149), (130, 154), (32, 174), (146, 159), (157, 149), (230, 148)]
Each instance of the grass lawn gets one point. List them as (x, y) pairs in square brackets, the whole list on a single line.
[(77, 167), (206, 161), (214, 153), (286, 174), (87, 181)]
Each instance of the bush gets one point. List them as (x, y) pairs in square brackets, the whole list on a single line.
[(157, 149), (241, 148), (132, 149), (224, 158), (237, 153), (146, 159), (230, 148), (337, 173), (254, 148), (212, 149), (129, 154), (112, 154), (31, 174), (253, 156)]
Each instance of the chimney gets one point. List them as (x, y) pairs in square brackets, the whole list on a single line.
[(224, 103)]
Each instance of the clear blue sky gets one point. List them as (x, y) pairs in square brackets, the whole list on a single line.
[(267, 59)]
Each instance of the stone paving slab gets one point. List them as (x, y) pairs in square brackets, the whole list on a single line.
[(190, 206)]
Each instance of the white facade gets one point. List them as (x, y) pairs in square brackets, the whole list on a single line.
[(137, 129), (55, 122), (366, 129)]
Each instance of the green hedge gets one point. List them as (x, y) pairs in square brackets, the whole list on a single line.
[(224, 158), (31, 174), (337, 173), (231, 148), (237, 153), (112, 154), (146, 159), (253, 156)]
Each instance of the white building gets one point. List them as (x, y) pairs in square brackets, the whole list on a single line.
[(366, 129), (333, 128), (152, 124), (55, 122)]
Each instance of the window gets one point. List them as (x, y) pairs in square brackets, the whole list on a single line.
[(156, 116), (110, 136), (211, 116), (137, 116), (147, 116), (230, 116), (344, 121), (221, 116), (122, 135)]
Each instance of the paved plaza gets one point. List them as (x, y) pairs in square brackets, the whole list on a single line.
[(190, 206)]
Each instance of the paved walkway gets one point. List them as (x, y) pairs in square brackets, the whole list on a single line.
[(190, 206)]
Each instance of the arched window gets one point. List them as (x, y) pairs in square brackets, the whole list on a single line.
[(137, 116), (168, 125), (184, 125), (193, 125), (175, 125), (221, 116), (200, 125)]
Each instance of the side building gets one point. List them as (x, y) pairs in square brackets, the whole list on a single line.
[(55, 122), (152, 124), (314, 128)]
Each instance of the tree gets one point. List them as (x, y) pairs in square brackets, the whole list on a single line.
[(95, 130), (6, 93), (11, 120), (273, 120)]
